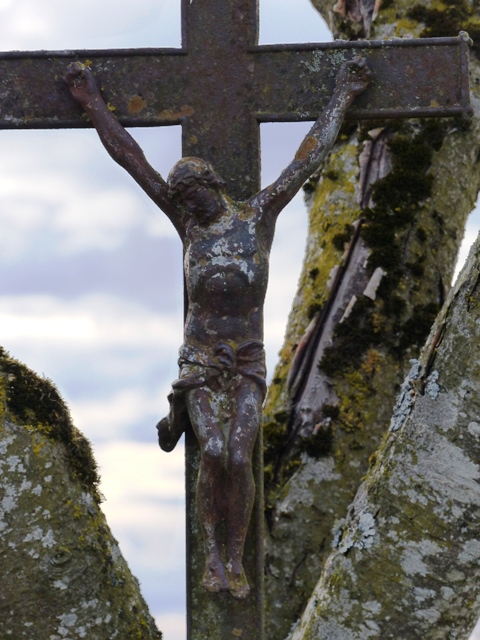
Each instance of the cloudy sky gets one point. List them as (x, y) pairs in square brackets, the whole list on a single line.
[(90, 273)]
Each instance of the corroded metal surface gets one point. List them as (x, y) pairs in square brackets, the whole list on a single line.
[(154, 87), (413, 77), (241, 85)]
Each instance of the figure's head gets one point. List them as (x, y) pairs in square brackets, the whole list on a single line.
[(192, 172), (196, 184)]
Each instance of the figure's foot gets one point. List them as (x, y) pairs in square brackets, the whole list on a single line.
[(215, 578), (239, 587)]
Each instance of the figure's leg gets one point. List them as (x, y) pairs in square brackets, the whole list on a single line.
[(211, 478), (243, 434)]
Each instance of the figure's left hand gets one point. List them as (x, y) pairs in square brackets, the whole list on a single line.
[(81, 82), (354, 77)]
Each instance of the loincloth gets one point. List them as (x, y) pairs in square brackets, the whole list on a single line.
[(198, 368), (220, 369)]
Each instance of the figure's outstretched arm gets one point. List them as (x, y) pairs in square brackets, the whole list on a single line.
[(118, 142), (353, 78)]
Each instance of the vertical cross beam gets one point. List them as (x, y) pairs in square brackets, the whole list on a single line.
[(217, 34), (224, 130)]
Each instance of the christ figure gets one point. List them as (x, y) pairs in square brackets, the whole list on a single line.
[(221, 384)]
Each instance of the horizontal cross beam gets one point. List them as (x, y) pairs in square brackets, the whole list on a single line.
[(151, 87)]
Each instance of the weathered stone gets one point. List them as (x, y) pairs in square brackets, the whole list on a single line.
[(63, 575), (405, 562)]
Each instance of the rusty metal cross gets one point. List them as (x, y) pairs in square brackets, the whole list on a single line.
[(220, 85)]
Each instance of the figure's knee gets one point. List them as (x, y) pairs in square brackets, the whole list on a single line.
[(212, 453), (240, 463)]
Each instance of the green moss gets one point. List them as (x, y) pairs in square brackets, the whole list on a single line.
[(313, 309), (394, 229), (331, 174), (340, 239), (421, 234), (416, 268), (275, 438), (31, 400), (418, 325), (320, 443), (447, 20), (330, 411), (399, 196), (275, 433), (291, 467), (139, 627), (351, 339), (398, 199)]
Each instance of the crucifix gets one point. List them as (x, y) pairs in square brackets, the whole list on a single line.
[(220, 85)]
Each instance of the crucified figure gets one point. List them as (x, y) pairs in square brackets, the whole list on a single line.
[(221, 385)]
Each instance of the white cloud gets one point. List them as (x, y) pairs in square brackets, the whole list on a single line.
[(144, 490), (27, 22), (66, 188), (112, 416), (98, 219), (158, 475), (98, 320), (173, 626), (113, 361), (56, 328), (55, 24), (284, 21), (144, 485)]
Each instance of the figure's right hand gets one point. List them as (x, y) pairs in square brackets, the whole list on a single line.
[(81, 82)]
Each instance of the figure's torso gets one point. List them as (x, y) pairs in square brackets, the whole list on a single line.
[(226, 267)]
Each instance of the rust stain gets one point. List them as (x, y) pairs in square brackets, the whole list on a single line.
[(174, 114), (306, 148), (136, 105), (237, 633)]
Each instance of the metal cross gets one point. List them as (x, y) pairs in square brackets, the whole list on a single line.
[(220, 85)]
